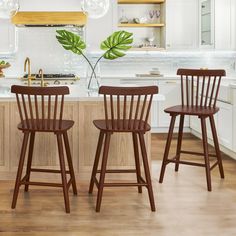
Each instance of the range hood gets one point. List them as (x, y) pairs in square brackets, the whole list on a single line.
[(49, 19)]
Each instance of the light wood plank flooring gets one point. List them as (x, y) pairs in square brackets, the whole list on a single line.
[(184, 206)]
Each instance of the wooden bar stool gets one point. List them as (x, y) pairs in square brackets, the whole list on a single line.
[(41, 110), (126, 110), (199, 92)]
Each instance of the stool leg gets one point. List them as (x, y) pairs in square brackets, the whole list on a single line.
[(20, 169), (206, 154), (29, 162), (180, 137), (63, 172), (103, 171), (167, 148), (96, 161), (217, 147), (137, 162), (147, 171), (70, 163)]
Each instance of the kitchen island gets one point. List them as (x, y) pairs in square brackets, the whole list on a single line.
[(80, 106)]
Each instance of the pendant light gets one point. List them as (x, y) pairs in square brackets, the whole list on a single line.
[(8, 8), (95, 8)]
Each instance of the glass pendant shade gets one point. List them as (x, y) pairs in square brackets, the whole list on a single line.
[(95, 8), (8, 8)]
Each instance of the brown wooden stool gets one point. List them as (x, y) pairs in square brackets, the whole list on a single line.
[(129, 113), (41, 110), (199, 92)]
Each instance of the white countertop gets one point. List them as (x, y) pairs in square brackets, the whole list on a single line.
[(78, 91)]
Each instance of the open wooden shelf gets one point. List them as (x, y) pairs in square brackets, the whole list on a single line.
[(140, 1), (141, 25)]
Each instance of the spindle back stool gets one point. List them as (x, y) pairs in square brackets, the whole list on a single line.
[(41, 110), (126, 110), (199, 93)]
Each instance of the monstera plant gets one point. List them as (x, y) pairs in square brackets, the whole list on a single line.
[(114, 46)]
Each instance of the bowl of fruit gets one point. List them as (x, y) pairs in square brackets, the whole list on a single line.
[(3, 65)]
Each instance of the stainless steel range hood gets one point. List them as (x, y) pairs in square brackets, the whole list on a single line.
[(49, 19)]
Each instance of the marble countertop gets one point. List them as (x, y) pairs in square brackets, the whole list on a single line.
[(78, 91)]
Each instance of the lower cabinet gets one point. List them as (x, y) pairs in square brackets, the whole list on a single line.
[(171, 90), (224, 125)]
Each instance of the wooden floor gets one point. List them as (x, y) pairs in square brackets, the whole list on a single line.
[(184, 206)]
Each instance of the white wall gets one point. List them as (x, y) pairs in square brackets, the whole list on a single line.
[(50, 5)]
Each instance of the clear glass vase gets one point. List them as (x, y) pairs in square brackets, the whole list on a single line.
[(93, 78)]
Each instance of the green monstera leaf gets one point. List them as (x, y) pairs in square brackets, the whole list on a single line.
[(116, 44), (71, 41)]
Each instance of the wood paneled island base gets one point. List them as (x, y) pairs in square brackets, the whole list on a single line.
[(83, 141)]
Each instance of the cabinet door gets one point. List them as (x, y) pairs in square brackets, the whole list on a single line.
[(181, 24), (225, 125), (223, 24), (233, 24), (172, 93), (98, 30)]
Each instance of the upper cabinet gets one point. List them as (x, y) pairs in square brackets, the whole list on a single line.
[(217, 24), (206, 23), (169, 24), (181, 24), (224, 24)]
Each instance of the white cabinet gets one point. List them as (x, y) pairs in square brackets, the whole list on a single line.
[(224, 125), (181, 24), (233, 24), (172, 93), (223, 25)]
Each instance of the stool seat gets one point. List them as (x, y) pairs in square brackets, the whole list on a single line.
[(122, 125), (192, 110), (45, 125)]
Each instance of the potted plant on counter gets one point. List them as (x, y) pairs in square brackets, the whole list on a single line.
[(114, 46)]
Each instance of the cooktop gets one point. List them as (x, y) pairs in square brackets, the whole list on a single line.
[(52, 76)]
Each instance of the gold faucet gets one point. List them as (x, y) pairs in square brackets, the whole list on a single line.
[(42, 78), (30, 77)]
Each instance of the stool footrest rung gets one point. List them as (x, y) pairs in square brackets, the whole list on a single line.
[(119, 171), (47, 171), (185, 162), (124, 184), (196, 153), (41, 184)]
